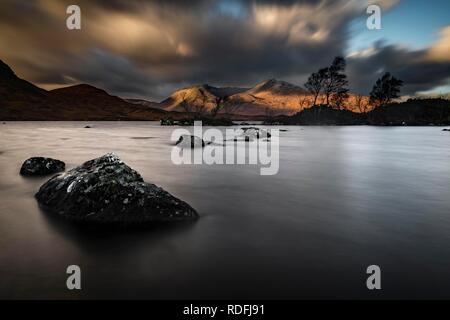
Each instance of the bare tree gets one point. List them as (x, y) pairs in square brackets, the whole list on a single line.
[(303, 100), (385, 89), (315, 83), (336, 82), (338, 98)]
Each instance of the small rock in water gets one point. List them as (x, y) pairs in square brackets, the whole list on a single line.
[(105, 190), (446, 130), (39, 166), (186, 141), (252, 133), (87, 127)]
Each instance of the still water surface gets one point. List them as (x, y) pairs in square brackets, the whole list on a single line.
[(344, 198)]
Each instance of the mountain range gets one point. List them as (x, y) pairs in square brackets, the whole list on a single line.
[(269, 98), (22, 100)]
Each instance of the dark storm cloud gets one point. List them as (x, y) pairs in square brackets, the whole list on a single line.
[(148, 48), (125, 79), (417, 71)]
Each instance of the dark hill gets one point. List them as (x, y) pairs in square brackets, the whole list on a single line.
[(322, 115), (412, 112), (418, 112), (21, 100), (16, 90)]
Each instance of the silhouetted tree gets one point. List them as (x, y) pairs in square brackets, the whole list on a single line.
[(315, 83), (339, 97), (385, 89), (331, 81), (302, 101), (336, 82)]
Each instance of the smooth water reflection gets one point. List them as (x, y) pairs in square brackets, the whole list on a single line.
[(345, 198)]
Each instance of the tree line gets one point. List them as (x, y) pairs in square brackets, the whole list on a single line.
[(331, 83)]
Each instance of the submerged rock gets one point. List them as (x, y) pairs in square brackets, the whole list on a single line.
[(446, 130), (39, 166), (106, 190), (187, 141)]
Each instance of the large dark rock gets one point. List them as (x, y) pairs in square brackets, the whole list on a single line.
[(39, 166), (106, 190)]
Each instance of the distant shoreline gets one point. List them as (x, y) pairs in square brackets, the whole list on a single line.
[(414, 112)]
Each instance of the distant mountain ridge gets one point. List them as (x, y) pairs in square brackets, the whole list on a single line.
[(277, 86), (247, 101), (145, 103), (269, 98), (21, 100), (13, 88), (198, 97)]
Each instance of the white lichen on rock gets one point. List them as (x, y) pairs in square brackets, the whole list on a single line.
[(106, 190)]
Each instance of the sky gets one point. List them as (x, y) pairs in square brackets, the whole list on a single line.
[(149, 48), (413, 23)]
